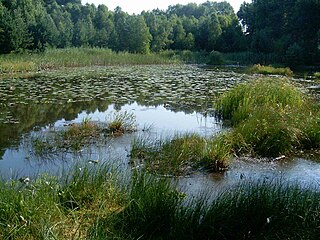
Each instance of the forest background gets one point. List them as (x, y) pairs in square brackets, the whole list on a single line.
[(288, 30)]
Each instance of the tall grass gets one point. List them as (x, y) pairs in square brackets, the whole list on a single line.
[(262, 210), (270, 117), (94, 203), (78, 57), (169, 156), (268, 70), (58, 208)]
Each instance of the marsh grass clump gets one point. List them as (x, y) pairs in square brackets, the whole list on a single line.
[(119, 123), (79, 134), (269, 70), (270, 117), (218, 152), (256, 210), (149, 212), (173, 156), (50, 207), (245, 99), (181, 154)]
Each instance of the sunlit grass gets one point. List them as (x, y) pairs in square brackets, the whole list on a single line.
[(270, 117), (268, 70), (78, 57)]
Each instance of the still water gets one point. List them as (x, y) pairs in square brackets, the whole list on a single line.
[(165, 99)]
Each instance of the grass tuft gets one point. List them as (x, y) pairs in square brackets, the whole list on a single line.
[(270, 117), (121, 122), (268, 70)]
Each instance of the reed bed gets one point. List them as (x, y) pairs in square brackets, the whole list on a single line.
[(78, 57)]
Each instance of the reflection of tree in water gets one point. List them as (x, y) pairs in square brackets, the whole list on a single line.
[(44, 99), (41, 115)]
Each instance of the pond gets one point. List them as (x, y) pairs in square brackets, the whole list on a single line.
[(165, 99)]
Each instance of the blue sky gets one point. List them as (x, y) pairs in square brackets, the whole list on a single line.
[(137, 6)]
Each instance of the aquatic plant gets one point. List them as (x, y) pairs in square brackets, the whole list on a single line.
[(267, 70), (119, 123), (243, 100), (170, 156), (264, 209), (181, 154), (270, 117)]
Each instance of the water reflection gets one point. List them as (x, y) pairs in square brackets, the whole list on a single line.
[(164, 122)]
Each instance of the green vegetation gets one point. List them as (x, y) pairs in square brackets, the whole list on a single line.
[(49, 207), (77, 135), (270, 117), (78, 57), (266, 70), (94, 203), (121, 122), (317, 74), (293, 26), (180, 155)]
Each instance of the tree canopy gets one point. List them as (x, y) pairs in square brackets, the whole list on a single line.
[(289, 29)]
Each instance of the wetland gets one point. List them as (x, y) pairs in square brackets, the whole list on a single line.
[(164, 101), (78, 145)]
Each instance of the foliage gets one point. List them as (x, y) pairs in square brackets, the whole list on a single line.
[(174, 156), (266, 210), (288, 29), (36, 25), (121, 122), (317, 74)]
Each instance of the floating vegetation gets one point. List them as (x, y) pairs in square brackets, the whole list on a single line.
[(268, 70)]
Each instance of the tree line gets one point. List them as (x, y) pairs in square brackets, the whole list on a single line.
[(289, 28)]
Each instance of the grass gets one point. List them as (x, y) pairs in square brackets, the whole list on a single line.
[(180, 155), (262, 210), (270, 117), (119, 123), (77, 57), (96, 203), (77, 135), (57, 208), (317, 74), (268, 70)]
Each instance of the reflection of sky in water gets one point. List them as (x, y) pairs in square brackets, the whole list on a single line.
[(160, 118), (18, 161)]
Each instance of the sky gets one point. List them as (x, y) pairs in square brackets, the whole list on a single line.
[(137, 6)]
